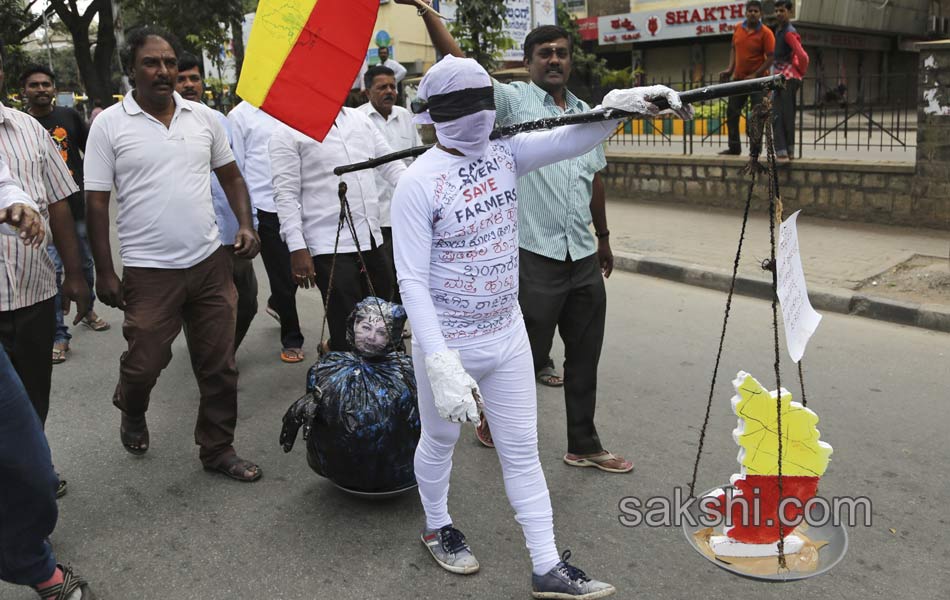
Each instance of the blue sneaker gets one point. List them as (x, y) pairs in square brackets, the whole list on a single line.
[(566, 582), (448, 547)]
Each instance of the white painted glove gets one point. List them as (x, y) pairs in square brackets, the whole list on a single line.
[(639, 100), (453, 389)]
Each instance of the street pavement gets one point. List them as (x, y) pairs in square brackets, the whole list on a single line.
[(698, 245), (158, 527)]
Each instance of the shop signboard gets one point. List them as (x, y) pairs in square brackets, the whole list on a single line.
[(587, 27), (694, 21)]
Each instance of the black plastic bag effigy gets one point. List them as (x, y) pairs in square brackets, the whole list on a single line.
[(360, 414)]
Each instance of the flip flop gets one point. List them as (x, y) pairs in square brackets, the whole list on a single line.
[(291, 355), (96, 324), (549, 377), (598, 462), (59, 354), (483, 432)]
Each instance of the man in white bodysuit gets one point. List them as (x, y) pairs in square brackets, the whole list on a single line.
[(455, 230)]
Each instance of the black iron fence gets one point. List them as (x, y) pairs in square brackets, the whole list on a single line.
[(876, 119)]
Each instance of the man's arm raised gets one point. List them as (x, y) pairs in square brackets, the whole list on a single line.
[(441, 38)]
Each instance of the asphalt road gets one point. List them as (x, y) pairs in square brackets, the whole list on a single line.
[(158, 527)]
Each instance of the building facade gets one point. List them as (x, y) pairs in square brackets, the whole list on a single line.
[(858, 49)]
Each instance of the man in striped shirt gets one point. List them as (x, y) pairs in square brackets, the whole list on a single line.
[(28, 283), (562, 266)]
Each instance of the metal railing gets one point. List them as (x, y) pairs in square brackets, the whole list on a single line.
[(877, 121)]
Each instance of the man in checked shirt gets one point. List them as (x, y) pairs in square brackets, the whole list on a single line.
[(28, 282)]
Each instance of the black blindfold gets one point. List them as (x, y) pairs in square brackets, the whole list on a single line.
[(457, 104)]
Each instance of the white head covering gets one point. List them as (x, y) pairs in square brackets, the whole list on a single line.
[(468, 134)]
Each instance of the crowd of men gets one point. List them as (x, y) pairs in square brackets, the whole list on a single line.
[(199, 195)]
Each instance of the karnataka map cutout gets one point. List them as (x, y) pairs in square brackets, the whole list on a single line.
[(804, 460)]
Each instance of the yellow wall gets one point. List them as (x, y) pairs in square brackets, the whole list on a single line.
[(410, 40)]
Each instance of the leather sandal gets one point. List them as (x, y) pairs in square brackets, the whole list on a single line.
[(236, 468), (134, 434), (549, 377)]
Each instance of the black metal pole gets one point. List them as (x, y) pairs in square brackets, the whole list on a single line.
[(709, 92)]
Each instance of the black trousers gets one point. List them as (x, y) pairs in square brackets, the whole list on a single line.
[(387, 249), (733, 111), (571, 296), (245, 282), (349, 287), (783, 121), (27, 336), (283, 290)]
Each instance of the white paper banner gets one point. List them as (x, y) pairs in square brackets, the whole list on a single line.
[(799, 317)]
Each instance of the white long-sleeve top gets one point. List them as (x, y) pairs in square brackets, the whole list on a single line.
[(401, 134), (251, 129), (10, 192), (455, 233), (398, 70), (306, 190)]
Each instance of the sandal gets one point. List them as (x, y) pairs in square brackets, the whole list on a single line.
[(134, 434), (604, 461), (95, 322), (549, 377), (59, 352), (236, 468), (67, 589), (483, 432), (291, 355)]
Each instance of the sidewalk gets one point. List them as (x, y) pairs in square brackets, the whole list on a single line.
[(843, 262)]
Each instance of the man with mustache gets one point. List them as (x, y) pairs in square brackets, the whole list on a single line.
[(563, 265), (158, 151), (395, 123), (190, 85), (69, 132)]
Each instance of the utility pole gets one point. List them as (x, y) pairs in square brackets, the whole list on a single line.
[(119, 44), (49, 50)]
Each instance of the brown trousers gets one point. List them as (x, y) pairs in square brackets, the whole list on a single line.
[(158, 303)]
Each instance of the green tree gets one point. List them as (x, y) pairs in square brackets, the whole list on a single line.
[(586, 65), (479, 29), (199, 24)]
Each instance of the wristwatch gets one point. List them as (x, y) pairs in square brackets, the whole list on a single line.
[(603, 235)]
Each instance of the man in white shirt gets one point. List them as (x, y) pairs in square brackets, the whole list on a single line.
[(158, 151), (306, 191), (251, 129), (399, 71), (395, 123), (190, 85)]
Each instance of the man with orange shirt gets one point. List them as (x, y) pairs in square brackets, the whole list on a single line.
[(752, 54)]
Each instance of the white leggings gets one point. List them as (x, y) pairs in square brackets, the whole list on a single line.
[(504, 371)]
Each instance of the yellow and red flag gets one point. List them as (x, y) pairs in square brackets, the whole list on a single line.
[(302, 57)]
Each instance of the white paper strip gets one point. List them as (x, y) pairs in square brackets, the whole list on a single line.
[(799, 317)]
